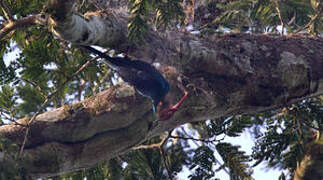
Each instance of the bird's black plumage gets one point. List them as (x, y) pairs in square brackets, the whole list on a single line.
[(143, 76)]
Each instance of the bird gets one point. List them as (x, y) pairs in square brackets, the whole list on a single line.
[(146, 79)]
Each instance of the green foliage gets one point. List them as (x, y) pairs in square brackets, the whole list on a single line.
[(236, 125), (101, 171), (138, 24), (148, 163), (31, 100), (110, 170), (7, 74), (22, 8), (203, 163), (144, 163), (7, 97), (235, 15), (44, 64), (230, 126), (177, 157), (283, 142), (259, 16), (145, 13), (235, 160), (8, 104), (168, 11)]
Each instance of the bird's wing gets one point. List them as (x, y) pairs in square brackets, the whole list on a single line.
[(145, 83)]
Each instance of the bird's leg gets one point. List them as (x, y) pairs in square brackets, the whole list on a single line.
[(180, 102)]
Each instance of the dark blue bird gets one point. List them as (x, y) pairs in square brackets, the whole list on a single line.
[(146, 80)]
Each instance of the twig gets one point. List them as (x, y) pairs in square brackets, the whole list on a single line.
[(28, 125), (10, 118), (49, 97), (80, 89), (82, 4), (149, 146), (162, 152), (14, 121), (160, 146), (280, 16), (106, 75), (194, 139), (308, 124), (35, 85), (6, 11), (222, 165), (309, 23)]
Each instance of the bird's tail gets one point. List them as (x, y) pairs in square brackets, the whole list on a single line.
[(113, 62)]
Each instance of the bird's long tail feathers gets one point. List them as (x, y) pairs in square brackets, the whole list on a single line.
[(112, 62)]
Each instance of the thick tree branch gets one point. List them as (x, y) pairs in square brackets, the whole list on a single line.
[(239, 73), (100, 123), (110, 120), (48, 98)]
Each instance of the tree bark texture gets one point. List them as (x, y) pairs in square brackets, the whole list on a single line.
[(310, 167), (224, 75)]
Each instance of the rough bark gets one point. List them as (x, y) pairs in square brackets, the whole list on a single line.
[(311, 165), (225, 75)]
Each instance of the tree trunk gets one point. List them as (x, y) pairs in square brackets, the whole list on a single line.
[(225, 75)]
